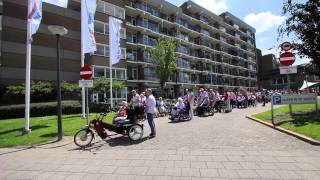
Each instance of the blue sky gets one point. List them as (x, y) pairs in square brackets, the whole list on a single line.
[(264, 15)]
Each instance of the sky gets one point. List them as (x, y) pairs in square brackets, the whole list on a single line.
[(264, 15)]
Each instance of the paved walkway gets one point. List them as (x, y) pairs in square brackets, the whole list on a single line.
[(226, 146)]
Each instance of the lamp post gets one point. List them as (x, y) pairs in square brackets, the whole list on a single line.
[(58, 31)]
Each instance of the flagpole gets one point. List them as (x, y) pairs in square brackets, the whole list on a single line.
[(83, 92), (111, 94), (27, 85)]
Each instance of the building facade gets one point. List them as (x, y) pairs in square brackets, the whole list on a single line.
[(269, 76), (213, 51), (216, 51)]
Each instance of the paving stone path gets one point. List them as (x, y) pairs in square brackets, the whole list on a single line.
[(226, 146)]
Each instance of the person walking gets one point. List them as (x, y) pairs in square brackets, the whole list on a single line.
[(190, 99), (150, 110)]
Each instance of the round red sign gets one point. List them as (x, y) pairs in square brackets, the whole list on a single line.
[(86, 72), (287, 58)]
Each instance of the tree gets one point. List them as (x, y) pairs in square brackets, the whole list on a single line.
[(70, 90), (164, 60), (303, 22), (102, 85)]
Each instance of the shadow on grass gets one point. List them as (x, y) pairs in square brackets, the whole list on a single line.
[(20, 129), (299, 120)]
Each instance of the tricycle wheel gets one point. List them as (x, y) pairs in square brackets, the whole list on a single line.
[(83, 138), (135, 132)]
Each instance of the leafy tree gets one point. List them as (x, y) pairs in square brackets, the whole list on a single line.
[(41, 88), (67, 87), (164, 60), (303, 22), (102, 85), (15, 90)]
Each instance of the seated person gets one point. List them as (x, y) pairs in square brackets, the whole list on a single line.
[(203, 101), (162, 109), (177, 108), (122, 112), (240, 100)]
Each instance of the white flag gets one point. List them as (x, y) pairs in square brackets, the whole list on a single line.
[(34, 14), (88, 9), (114, 39), (61, 3)]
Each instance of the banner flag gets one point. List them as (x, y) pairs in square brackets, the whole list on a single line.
[(61, 3), (114, 39), (88, 9), (34, 14)]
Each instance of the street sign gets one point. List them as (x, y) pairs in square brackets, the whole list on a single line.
[(294, 99), (86, 72), (286, 46), (288, 69), (86, 83), (287, 58)]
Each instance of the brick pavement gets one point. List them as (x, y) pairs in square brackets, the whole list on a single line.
[(226, 146)]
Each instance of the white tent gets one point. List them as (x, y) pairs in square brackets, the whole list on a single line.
[(307, 84)]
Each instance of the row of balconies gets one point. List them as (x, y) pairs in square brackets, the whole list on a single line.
[(199, 67), (132, 56), (174, 19), (183, 77), (233, 50)]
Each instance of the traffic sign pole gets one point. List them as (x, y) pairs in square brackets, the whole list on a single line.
[(289, 89), (272, 114), (86, 74)]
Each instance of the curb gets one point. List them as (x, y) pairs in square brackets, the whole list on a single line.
[(297, 135)]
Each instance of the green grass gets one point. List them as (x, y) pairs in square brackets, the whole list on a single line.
[(43, 129), (304, 122)]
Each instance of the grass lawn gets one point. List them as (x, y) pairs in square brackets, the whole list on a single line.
[(304, 123), (43, 129)]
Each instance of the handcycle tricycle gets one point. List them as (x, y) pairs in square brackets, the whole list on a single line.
[(130, 126)]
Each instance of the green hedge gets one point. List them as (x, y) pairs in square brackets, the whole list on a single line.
[(39, 109), (47, 109)]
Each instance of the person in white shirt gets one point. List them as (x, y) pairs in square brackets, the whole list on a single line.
[(150, 110), (135, 100)]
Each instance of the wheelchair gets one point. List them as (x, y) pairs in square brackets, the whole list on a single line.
[(183, 114)]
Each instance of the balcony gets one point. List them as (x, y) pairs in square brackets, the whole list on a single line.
[(131, 57)]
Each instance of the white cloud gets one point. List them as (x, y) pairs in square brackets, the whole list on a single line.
[(214, 6), (264, 21), (264, 39)]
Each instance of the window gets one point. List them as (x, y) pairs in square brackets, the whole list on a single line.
[(134, 73), (98, 72), (149, 74), (147, 56), (103, 50), (123, 53), (111, 9), (117, 73), (100, 50), (99, 27), (103, 28)]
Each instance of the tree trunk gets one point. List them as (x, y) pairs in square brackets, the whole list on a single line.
[(162, 89)]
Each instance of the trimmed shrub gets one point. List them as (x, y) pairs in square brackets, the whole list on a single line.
[(47, 109), (70, 91), (39, 109)]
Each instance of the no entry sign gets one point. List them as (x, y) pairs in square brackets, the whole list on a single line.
[(86, 72), (287, 58)]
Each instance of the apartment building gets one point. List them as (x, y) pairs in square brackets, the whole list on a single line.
[(43, 66), (216, 51), (213, 51)]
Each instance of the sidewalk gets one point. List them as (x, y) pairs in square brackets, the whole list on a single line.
[(225, 146)]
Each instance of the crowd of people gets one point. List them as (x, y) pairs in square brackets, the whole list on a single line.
[(200, 103)]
